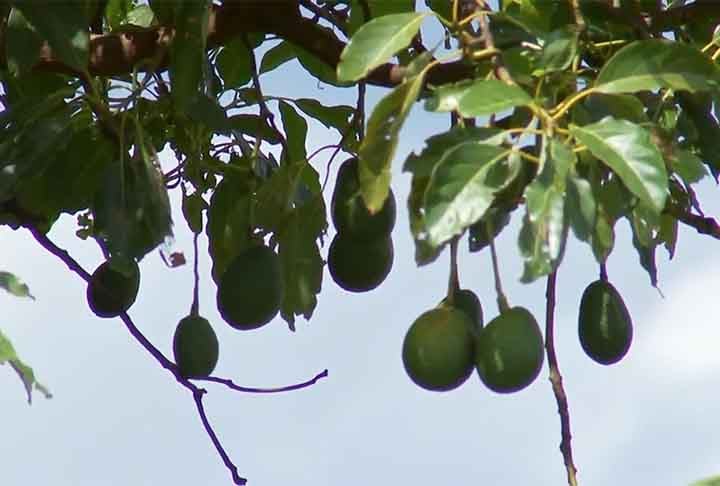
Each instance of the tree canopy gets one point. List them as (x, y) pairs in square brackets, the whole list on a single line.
[(573, 115)]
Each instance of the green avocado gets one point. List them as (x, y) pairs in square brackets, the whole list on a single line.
[(195, 347), (509, 351), (250, 290), (438, 349), (604, 324), (113, 287), (360, 265), (348, 211)]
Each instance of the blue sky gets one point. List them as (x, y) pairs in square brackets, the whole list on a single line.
[(117, 418)]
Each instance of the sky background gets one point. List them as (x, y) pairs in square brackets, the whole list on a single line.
[(118, 418)]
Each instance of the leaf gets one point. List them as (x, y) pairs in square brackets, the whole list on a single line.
[(132, 209), (229, 227), (14, 285), (559, 49), (376, 42), (256, 126), (8, 355), (378, 147), (22, 44), (544, 231), (377, 9), (688, 166), (300, 260), (331, 116), (487, 228), (668, 233), (140, 16), (192, 208), (629, 151), (713, 481), (64, 26), (603, 238), (653, 64), (477, 98), (234, 64), (277, 55), (116, 11), (581, 206), (206, 110), (295, 132), (187, 52), (462, 188)]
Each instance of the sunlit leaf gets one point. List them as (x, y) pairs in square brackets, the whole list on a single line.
[(26, 374), (477, 98)]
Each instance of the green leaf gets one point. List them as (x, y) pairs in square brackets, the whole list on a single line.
[(131, 208), (688, 166), (300, 260), (544, 231), (713, 481), (477, 98), (441, 7), (64, 26), (653, 64), (140, 16), (378, 147), (255, 126), (376, 42), (22, 44), (10, 283), (234, 64), (276, 195), (581, 206), (206, 110), (668, 233), (276, 56), (8, 355), (462, 188), (377, 9), (229, 227), (603, 238), (331, 116), (559, 49), (295, 132), (187, 52), (116, 11), (629, 151), (644, 224), (192, 207), (487, 228)]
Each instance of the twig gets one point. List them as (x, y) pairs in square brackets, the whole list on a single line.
[(298, 386), (556, 381)]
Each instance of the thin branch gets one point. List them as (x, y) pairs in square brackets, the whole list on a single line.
[(298, 386), (556, 381), (197, 392), (703, 224)]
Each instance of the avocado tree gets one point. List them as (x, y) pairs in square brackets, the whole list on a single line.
[(574, 115)]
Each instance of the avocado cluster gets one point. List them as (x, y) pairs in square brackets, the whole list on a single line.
[(361, 254), (250, 290), (445, 344)]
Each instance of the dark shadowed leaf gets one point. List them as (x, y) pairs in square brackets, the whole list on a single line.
[(234, 64)]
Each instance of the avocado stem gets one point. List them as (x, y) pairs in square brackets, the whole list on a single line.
[(195, 307), (603, 272), (502, 302), (453, 280)]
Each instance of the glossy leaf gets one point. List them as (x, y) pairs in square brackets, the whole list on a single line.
[(544, 230), (376, 42), (688, 166), (559, 49), (629, 151), (478, 98), (653, 64), (378, 147), (9, 355), (331, 116)]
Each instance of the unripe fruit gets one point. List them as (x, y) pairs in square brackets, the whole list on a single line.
[(467, 301), (195, 347), (360, 266), (348, 211), (604, 323), (509, 351), (113, 287), (251, 289), (438, 349)]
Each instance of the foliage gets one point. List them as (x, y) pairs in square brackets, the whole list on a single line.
[(573, 115)]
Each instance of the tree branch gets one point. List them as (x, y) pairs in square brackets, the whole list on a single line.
[(196, 391), (556, 381)]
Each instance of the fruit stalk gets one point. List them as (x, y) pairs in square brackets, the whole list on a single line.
[(454, 279), (556, 381)]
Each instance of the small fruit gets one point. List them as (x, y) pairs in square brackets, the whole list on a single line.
[(359, 266), (348, 211), (509, 351), (113, 287), (251, 289), (195, 347), (438, 349), (604, 323), (467, 301)]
